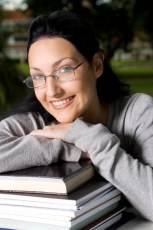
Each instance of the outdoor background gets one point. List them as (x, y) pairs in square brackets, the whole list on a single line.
[(124, 28)]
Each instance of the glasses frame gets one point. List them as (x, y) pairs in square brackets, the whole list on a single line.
[(54, 76)]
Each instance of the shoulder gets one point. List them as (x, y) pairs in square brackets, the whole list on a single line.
[(136, 103), (132, 115), (140, 100), (140, 105), (131, 111), (136, 111)]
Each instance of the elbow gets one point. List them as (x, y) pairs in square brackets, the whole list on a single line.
[(148, 215)]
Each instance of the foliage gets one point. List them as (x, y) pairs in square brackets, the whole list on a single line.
[(113, 24), (115, 21), (11, 87), (112, 21), (42, 7), (143, 11)]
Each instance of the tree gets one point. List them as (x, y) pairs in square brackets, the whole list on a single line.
[(113, 26), (111, 20), (11, 89), (42, 7), (115, 21), (143, 11)]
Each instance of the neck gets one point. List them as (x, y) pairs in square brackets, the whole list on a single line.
[(99, 115), (102, 114)]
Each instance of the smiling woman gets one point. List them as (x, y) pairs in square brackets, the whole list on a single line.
[(70, 92), (78, 109)]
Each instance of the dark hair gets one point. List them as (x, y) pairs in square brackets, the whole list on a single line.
[(81, 34)]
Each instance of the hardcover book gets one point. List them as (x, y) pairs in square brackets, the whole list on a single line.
[(101, 223), (67, 222), (57, 178), (95, 187)]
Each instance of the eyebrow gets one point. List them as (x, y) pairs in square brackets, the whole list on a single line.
[(55, 64)]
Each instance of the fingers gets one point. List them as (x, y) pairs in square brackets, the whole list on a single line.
[(53, 131), (38, 132)]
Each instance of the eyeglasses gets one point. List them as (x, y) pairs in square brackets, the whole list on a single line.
[(63, 74)]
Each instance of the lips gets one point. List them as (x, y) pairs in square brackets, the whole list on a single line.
[(60, 104)]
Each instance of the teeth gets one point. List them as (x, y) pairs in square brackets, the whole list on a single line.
[(62, 102)]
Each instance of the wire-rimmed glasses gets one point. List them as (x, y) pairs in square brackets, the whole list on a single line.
[(63, 74)]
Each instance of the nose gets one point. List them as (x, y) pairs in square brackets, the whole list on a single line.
[(53, 89)]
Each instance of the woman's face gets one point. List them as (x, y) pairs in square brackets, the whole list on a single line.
[(67, 100)]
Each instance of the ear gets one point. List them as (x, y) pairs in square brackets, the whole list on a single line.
[(97, 63)]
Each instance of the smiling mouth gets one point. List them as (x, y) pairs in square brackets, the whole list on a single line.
[(60, 104)]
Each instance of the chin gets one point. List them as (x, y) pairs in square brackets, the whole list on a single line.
[(65, 119)]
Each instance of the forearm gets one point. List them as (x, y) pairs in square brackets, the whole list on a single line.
[(129, 175), (26, 151), (19, 149)]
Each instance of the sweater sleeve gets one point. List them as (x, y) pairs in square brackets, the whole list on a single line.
[(132, 176), (19, 150)]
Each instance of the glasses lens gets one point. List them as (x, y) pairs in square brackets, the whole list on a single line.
[(28, 82), (34, 83), (65, 74)]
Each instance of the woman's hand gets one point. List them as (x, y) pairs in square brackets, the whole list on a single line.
[(57, 131)]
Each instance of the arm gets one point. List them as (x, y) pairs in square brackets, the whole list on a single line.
[(19, 149), (132, 176)]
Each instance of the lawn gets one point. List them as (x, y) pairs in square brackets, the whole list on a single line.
[(139, 74)]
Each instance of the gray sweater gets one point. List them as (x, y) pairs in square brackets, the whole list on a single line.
[(122, 151)]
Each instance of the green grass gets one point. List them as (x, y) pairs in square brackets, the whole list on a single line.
[(141, 85), (139, 74), (131, 63)]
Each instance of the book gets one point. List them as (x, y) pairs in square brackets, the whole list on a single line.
[(57, 178), (58, 213), (74, 223), (96, 186), (107, 220), (76, 210), (101, 224)]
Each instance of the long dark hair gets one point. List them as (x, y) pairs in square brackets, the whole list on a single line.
[(81, 34)]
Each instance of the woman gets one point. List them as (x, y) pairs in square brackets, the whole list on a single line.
[(80, 109)]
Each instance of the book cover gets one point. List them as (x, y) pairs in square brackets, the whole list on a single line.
[(57, 178), (94, 187)]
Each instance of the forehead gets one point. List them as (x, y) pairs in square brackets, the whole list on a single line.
[(54, 47)]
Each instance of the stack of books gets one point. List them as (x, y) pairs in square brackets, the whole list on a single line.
[(62, 196)]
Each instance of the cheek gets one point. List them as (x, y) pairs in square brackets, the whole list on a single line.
[(87, 86), (85, 92), (40, 94)]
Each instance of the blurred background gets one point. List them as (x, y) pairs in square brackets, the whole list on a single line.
[(123, 26)]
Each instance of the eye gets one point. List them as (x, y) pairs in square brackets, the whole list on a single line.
[(65, 69), (37, 78)]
